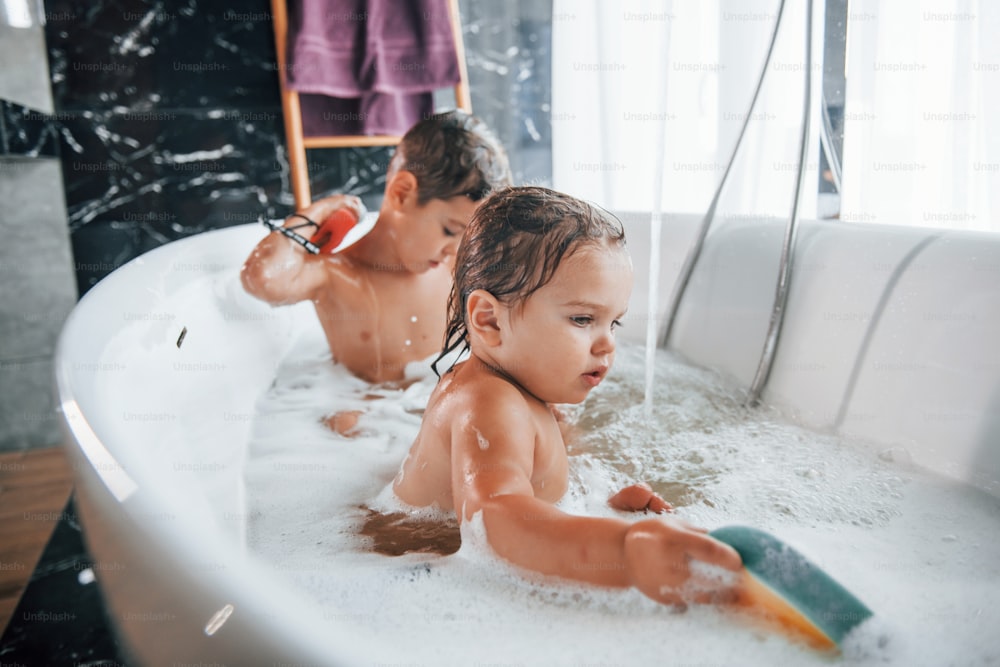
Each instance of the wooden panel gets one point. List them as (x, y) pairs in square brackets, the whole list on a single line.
[(34, 488), (349, 142)]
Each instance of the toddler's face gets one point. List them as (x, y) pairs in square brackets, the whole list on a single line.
[(433, 231), (562, 338)]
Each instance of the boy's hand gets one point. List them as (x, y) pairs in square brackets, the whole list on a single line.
[(639, 498), (345, 422), (322, 209), (280, 271), (658, 553)]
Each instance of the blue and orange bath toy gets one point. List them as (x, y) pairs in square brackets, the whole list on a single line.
[(783, 586)]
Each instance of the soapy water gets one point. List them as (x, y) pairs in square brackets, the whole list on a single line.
[(921, 552)]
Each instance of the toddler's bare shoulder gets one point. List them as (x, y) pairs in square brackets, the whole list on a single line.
[(492, 400)]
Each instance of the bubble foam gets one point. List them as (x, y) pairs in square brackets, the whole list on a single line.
[(917, 550)]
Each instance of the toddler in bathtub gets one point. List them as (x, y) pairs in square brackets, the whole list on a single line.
[(381, 301), (541, 280)]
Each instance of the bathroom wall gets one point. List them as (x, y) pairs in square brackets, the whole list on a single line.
[(37, 283), (131, 123), (169, 122)]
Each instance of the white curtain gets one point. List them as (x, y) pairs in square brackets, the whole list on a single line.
[(923, 84), (916, 146), (612, 62)]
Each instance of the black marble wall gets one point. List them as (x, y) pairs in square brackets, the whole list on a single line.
[(25, 132), (168, 117)]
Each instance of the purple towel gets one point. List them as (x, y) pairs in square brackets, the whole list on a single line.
[(368, 66)]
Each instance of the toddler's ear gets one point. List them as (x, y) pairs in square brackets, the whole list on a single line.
[(401, 189), (482, 312)]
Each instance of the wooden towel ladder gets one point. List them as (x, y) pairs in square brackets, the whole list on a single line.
[(292, 110)]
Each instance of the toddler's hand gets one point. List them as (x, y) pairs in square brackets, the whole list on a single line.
[(658, 553), (639, 498)]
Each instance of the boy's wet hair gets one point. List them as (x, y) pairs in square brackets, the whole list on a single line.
[(451, 154), (515, 242)]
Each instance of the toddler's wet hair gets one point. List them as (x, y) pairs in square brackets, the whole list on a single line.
[(515, 242), (453, 153)]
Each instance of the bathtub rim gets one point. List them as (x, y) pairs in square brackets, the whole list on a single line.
[(104, 489)]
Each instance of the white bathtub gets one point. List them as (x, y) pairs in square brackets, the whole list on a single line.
[(891, 337)]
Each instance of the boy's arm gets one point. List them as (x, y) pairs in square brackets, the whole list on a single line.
[(492, 458), (279, 270)]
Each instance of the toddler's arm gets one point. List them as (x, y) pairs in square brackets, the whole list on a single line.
[(653, 555), (279, 270)]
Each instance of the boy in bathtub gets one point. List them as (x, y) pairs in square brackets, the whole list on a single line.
[(381, 301), (541, 280)]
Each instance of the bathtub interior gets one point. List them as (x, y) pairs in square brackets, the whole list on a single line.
[(160, 427)]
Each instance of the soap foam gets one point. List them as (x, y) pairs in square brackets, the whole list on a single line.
[(919, 551)]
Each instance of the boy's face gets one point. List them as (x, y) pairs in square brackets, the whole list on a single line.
[(560, 344), (431, 232)]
